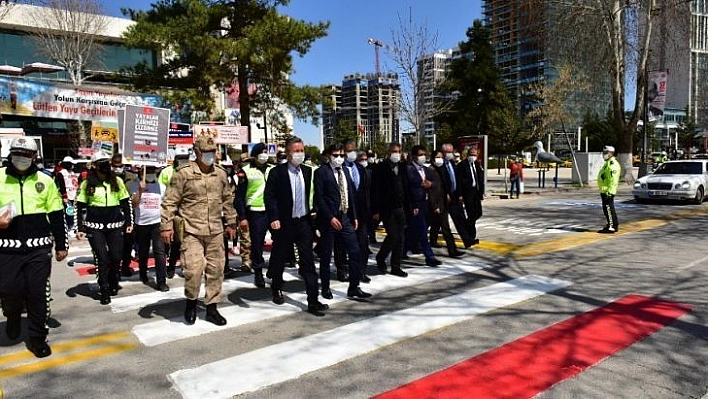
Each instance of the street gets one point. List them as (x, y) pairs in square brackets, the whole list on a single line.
[(555, 309)]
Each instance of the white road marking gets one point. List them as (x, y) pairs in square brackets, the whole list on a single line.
[(163, 331), (690, 265), (288, 360)]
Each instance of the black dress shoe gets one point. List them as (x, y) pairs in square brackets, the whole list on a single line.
[(317, 308), (39, 347), (278, 298), (258, 279), (126, 272), (365, 279), (163, 287), (381, 266), (356, 292), (170, 271), (456, 254), (432, 262), (105, 297), (144, 278), (13, 327), (435, 245), (113, 291), (327, 294), (190, 312), (397, 271), (213, 315)]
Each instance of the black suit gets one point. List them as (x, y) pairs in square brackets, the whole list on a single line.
[(418, 197), (471, 189), (390, 201), (362, 198), (454, 206), (280, 206), (328, 202)]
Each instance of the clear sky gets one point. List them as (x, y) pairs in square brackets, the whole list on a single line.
[(345, 50)]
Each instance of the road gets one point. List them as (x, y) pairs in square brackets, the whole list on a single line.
[(543, 306)]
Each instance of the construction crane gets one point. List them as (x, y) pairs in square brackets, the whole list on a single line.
[(377, 44)]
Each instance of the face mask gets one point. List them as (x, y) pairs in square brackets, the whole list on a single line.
[(606, 156), (262, 158), (449, 156), (21, 163), (298, 158), (472, 158), (439, 162), (364, 164), (150, 177), (208, 158), (351, 156), (337, 162), (118, 170), (421, 160), (395, 157)]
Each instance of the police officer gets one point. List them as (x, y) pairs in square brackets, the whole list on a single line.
[(108, 214), (202, 193), (250, 206), (608, 181), (31, 213)]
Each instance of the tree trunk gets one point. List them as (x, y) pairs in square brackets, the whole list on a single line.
[(243, 100)]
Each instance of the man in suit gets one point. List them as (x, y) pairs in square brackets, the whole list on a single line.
[(470, 177), (388, 204), (287, 204), (419, 182), (452, 196), (337, 219)]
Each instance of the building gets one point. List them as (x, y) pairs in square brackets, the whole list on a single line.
[(431, 70), (366, 103)]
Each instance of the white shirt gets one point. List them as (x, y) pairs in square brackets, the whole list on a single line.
[(296, 173), (148, 210)]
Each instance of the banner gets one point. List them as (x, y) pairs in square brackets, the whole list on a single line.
[(223, 134), (145, 135), (656, 95)]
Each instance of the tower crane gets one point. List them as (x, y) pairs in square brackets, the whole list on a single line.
[(377, 44)]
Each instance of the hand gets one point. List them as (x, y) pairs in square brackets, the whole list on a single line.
[(275, 225), (61, 255), (129, 229), (230, 232), (426, 184), (243, 225), (5, 220), (142, 186), (166, 236), (80, 235), (335, 223), (415, 211)]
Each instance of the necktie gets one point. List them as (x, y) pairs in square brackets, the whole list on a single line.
[(474, 178), (299, 205), (451, 171), (343, 205), (355, 175)]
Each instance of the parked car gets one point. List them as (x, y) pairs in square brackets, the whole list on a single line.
[(684, 180)]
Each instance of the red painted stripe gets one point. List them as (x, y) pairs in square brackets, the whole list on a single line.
[(534, 363)]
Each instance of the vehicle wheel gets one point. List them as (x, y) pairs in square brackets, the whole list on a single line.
[(699, 196)]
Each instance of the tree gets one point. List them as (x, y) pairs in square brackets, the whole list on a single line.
[(344, 131), (686, 132), (214, 44), (68, 32)]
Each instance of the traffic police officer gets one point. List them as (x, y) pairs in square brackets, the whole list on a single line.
[(608, 181), (202, 193), (32, 212)]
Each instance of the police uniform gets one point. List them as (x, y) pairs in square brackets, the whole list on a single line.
[(108, 212), (202, 199), (25, 247), (608, 181)]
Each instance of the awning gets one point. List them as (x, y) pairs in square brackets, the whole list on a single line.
[(40, 67), (10, 70)]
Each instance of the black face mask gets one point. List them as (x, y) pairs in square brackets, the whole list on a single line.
[(104, 167)]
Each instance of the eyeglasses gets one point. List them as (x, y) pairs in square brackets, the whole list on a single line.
[(337, 155)]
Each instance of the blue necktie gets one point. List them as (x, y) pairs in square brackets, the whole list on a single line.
[(452, 176), (299, 208), (355, 174)]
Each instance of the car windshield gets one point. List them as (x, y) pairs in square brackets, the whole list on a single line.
[(680, 168)]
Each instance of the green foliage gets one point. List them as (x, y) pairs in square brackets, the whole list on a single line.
[(600, 132), (344, 131), (687, 129)]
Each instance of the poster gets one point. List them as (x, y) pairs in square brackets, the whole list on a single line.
[(145, 135), (223, 134), (656, 95), (180, 134), (105, 131)]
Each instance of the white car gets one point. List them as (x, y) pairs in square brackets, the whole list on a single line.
[(685, 180)]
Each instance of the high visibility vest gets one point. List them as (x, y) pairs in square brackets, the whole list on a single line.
[(608, 177), (166, 175), (104, 196), (256, 187)]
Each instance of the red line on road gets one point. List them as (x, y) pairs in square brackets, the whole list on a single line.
[(534, 363)]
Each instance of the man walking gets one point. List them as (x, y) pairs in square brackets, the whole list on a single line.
[(470, 177)]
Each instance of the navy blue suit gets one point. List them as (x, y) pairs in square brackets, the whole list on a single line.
[(328, 202), (418, 198)]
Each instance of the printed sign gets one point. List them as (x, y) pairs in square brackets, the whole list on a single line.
[(145, 135), (180, 134), (223, 134)]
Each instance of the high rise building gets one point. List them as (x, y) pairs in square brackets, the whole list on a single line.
[(431, 70)]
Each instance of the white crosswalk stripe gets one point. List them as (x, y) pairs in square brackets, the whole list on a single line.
[(288, 360)]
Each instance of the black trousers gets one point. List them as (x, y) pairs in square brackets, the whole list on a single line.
[(127, 258), (395, 225), (349, 244), (146, 236), (297, 233), (457, 214), (608, 208), (441, 221), (174, 249), (107, 248), (257, 228), (24, 280)]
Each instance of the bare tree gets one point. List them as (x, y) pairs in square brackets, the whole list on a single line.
[(411, 49), (69, 32)]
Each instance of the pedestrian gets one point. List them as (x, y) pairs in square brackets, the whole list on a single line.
[(147, 198), (455, 207), (244, 236), (516, 177), (287, 203), (108, 215), (199, 191), (608, 181), (229, 166), (470, 179), (32, 213), (173, 249), (438, 200), (337, 219), (68, 183), (250, 206), (388, 204), (362, 196)]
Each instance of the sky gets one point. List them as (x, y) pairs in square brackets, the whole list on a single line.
[(345, 49)]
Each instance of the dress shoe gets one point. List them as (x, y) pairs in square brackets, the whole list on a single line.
[(113, 291), (327, 294), (258, 279), (126, 272), (246, 269), (365, 279), (170, 271), (475, 241), (456, 254), (13, 327), (434, 244), (342, 276), (432, 262), (163, 287), (144, 278), (230, 273), (397, 271), (356, 292), (190, 311), (39, 347), (381, 266), (213, 315), (278, 298), (317, 308), (105, 297)]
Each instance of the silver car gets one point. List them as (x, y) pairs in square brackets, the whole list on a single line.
[(674, 180)]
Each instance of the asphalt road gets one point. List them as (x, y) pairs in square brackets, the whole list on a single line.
[(540, 264)]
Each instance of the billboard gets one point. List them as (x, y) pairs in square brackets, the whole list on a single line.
[(656, 93)]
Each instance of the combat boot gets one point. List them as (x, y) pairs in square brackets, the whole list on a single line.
[(39, 347), (213, 315), (258, 279), (190, 311), (105, 297)]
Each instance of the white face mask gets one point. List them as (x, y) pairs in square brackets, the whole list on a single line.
[(395, 157), (351, 156), (421, 160), (439, 162), (21, 163), (606, 156), (364, 164), (208, 158), (298, 158), (449, 156), (337, 161), (118, 170), (262, 158), (472, 158), (150, 177)]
